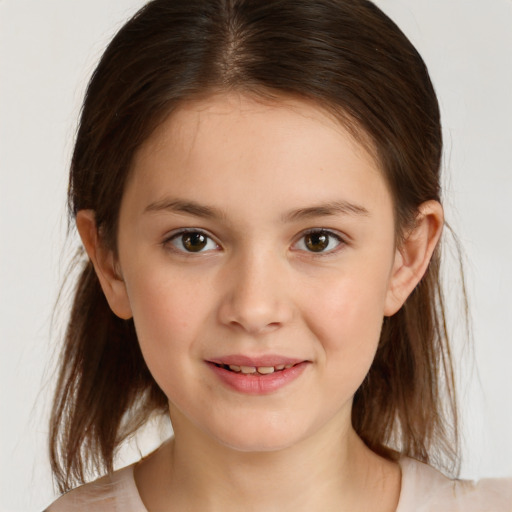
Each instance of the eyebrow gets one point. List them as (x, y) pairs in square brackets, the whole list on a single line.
[(325, 210), (189, 207), (211, 212)]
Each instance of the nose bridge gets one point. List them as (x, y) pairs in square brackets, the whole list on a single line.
[(256, 299)]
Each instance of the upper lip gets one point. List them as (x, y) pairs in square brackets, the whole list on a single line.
[(257, 361)]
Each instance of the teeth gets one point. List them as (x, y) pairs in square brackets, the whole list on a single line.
[(263, 370), (247, 369)]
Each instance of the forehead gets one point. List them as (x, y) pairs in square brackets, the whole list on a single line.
[(292, 113), (230, 146)]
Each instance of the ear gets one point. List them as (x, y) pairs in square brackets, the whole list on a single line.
[(105, 264), (414, 254)]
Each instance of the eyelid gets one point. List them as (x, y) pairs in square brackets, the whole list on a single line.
[(342, 241), (176, 233)]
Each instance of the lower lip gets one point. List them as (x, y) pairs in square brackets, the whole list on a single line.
[(257, 384)]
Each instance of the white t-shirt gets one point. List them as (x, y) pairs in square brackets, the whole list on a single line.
[(423, 490)]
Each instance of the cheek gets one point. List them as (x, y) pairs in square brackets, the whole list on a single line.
[(163, 297), (168, 314), (347, 314)]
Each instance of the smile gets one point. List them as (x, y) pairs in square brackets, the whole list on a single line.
[(251, 370), (253, 377)]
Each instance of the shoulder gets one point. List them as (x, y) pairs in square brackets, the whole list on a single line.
[(425, 489), (116, 492)]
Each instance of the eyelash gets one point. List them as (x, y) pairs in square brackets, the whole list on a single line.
[(177, 235), (330, 235), (325, 232)]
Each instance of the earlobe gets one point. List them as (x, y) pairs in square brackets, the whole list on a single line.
[(414, 254), (105, 265)]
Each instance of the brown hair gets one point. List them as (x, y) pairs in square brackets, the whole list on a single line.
[(345, 55)]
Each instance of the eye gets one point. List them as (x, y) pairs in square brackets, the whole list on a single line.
[(192, 242), (319, 241)]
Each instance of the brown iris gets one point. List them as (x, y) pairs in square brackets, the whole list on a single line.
[(194, 242), (317, 242)]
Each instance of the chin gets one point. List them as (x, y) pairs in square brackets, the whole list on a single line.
[(260, 436)]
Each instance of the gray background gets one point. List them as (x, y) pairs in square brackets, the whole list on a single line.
[(48, 48)]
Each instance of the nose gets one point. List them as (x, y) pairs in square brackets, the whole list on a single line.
[(256, 297)]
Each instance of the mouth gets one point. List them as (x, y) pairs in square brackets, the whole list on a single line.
[(257, 375), (254, 370)]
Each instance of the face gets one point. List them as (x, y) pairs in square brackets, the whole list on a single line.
[(256, 249)]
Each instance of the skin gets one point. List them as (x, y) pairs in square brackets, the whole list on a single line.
[(270, 173)]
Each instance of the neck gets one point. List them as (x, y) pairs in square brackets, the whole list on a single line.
[(194, 473)]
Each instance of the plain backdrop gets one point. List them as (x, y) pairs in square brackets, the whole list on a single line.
[(48, 49)]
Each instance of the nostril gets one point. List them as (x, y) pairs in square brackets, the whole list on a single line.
[(255, 313)]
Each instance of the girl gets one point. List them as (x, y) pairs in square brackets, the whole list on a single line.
[(256, 185)]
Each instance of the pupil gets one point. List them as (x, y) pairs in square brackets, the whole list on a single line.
[(194, 242), (317, 242)]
